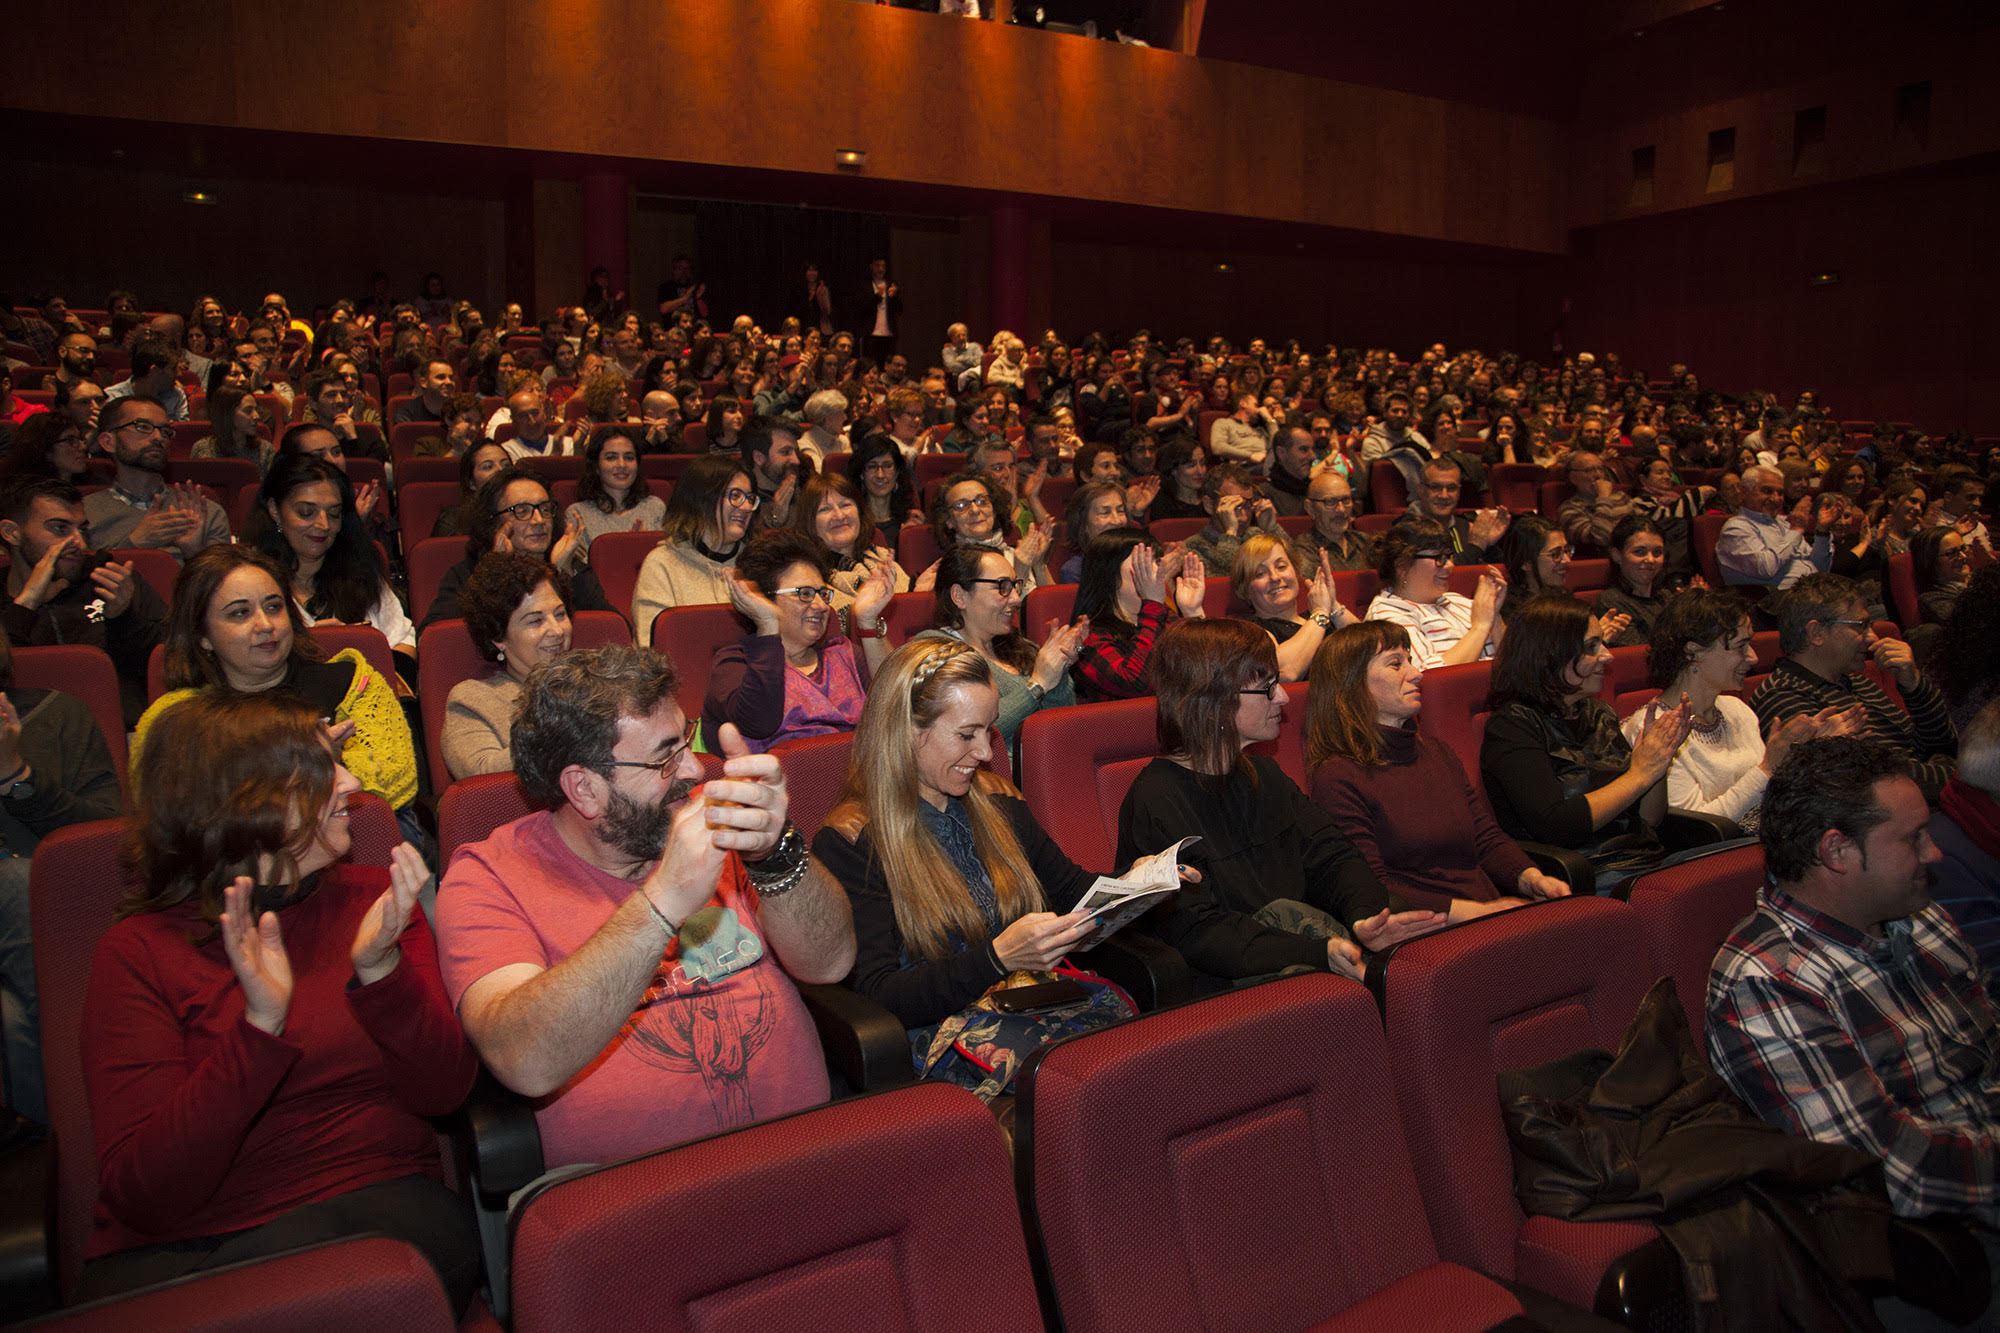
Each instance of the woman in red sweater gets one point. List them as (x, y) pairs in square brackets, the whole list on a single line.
[(265, 1030), (1403, 798)]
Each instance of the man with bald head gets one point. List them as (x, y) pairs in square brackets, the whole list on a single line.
[(533, 437), (1330, 502), (1758, 546)]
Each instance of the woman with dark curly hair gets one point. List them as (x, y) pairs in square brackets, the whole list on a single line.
[(516, 608)]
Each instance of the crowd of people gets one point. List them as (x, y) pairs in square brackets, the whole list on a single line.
[(268, 1024)]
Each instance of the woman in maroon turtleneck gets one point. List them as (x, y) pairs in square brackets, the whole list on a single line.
[(1402, 798)]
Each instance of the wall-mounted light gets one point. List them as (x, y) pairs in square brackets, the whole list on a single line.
[(850, 159), (1826, 277), (197, 197), (1225, 267)]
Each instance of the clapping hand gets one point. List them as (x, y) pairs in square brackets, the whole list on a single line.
[(1661, 739), (746, 597), (256, 950), (872, 594), (566, 545), (377, 944)]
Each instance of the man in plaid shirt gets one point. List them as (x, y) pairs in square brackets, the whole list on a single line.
[(1848, 1007)]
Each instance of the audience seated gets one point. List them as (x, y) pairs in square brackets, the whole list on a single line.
[(232, 630), (1827, 641), (978, 599), (138, 508), (611, 496), (1963, 661), (1280, 886), (1848, 1007), (1475, 540), (1446, 628), (1330, 504), (50, 444), (955, 887), (512, 511), (1960, 491), (55, 770), (1236, 507), (1401, 798), (617, 956), (1183, 473), (1640, 583), (880, 467), (1966, 829), (693, 565), (475, 465), (265, 1030), (1596, 505), (305, 521), (794, 675), (50, 599), (1263, 575), (238, 420), (1939, 557), (1700, 651), (1535, 558), (965, 517), (1555, 764), (832, 519), (1123, 597), (516, 610), (1760, 547), (1095, 508)]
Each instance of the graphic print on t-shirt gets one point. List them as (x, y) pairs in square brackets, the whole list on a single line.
[(685, 1024)]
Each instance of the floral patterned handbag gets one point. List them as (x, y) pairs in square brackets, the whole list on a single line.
[(980, 1048)]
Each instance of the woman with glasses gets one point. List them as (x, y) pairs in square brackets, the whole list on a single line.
[(794, 675), (1281, 889), (517, 612), (512, 511), (695, 562), (967, 516), (1535, 556), (1446, 628), (1556, 766), (978, 597), (1942, 567)]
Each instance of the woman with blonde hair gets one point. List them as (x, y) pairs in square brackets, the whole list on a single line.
[(954, 885), (1265, 575)]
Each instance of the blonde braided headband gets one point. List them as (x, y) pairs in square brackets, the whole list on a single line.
[(934, 662)]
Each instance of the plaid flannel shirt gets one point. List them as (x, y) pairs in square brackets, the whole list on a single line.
[(1889, 1045)]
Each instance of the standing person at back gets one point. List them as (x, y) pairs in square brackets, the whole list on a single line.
[(881, 310)]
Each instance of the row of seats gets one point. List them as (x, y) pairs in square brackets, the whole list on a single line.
[(1269, 1130)]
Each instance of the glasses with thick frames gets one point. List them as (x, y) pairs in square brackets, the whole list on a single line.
[(1005, 587), (806, 596), (527, 509)]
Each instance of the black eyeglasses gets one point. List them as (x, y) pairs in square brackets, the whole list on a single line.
[(663, 767), (148, 429), (1269, 690), (527, 509), (806, 596), (1005, 587)]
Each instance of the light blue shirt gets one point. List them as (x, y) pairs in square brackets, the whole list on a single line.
[(1764, 549)]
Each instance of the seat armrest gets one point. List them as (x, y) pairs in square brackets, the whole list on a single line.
[(495, 1140), (1682, 829), (863, 1041), (28, 1227), (1645, 1288), (1941, 1266), (1565, 863), (1153, 974)]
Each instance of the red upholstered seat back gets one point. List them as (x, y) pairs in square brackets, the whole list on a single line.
[(1170, 530), (690, 635), (1509, 991), (1707, 529), (429, 560), (1388, 493), (1047, 607), (369, 1282), (472, 808), (1064, 753), (907, 613), (916, 548), (891, 1211), (158, 568), (615, 559), (1902, 582), (88, 674), (1257, 1141), (1455, 710), (1626, 671), (420, 503), (1688, 910)]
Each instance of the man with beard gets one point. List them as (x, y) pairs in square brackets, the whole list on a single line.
[(139, 508), (76, 361), (51, 599), (771, 457), (617, 955)]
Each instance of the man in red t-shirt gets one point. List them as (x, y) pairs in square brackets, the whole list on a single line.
[(621, 956)]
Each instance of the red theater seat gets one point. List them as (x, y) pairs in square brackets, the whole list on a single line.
[(690, 635), (615, 558), (1258, 1131), (1510, 991), (1688, 910), (1066, 755), (890, 1211), (87, 673)]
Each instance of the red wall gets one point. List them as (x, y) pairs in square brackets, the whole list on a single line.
[(1908, 333)]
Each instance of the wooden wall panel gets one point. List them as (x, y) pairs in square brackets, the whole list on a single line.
[(780, 84)]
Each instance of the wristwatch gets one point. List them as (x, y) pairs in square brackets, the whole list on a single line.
[(1036, 692), (862, 630), (781, 871), (1323, 620), (18, 784)]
